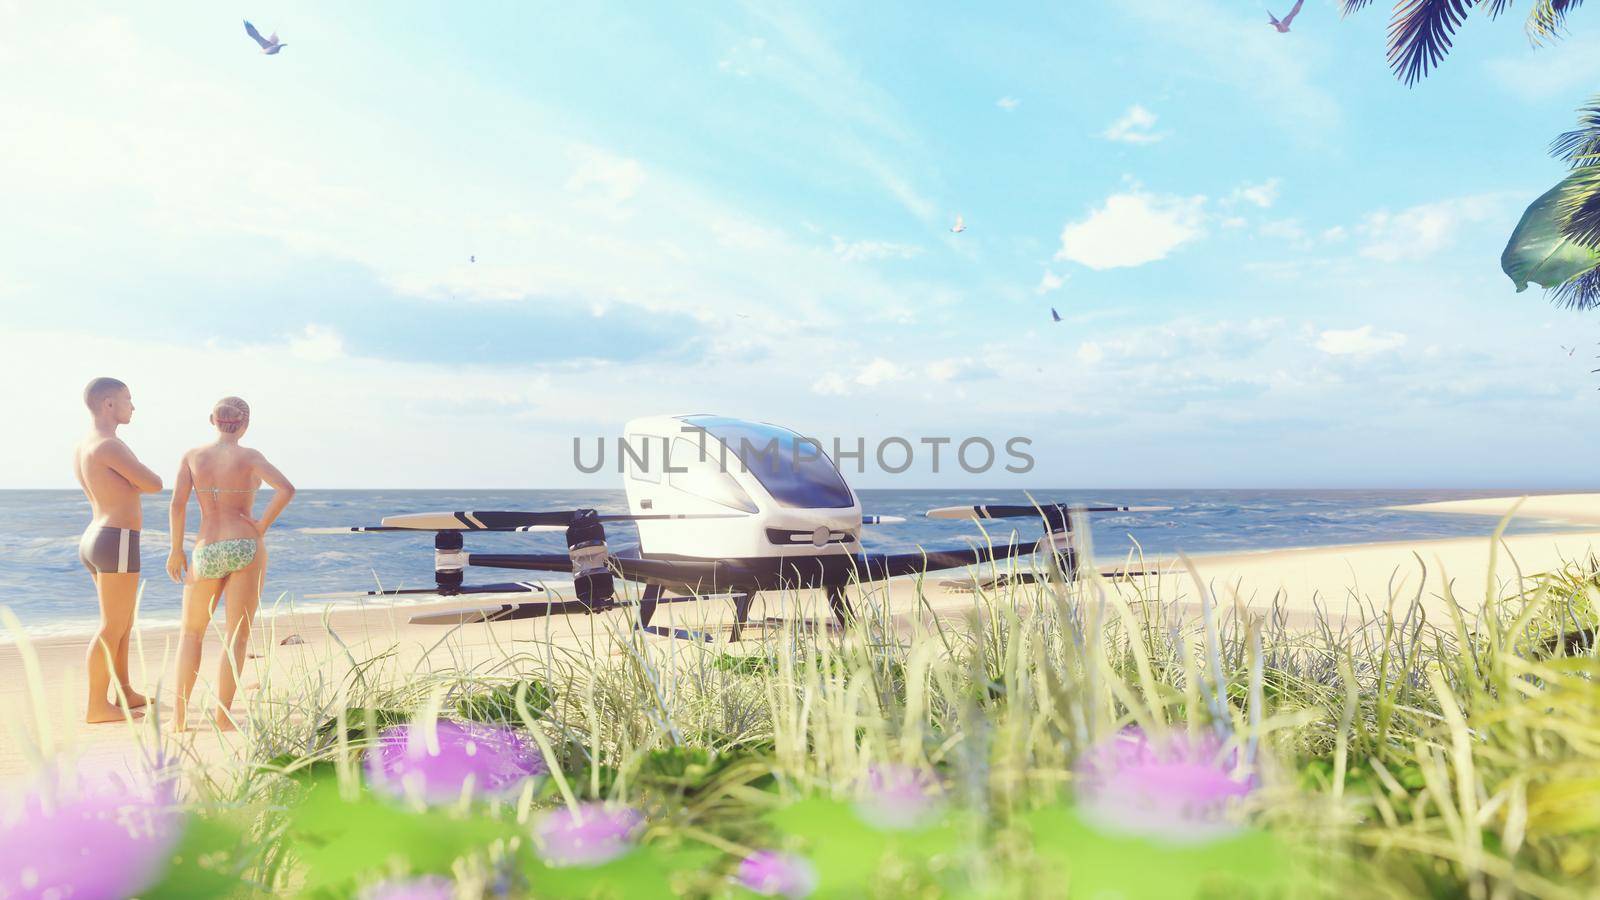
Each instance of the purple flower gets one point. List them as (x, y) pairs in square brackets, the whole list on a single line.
[(588, 836), (428, 887), (1168, 786), (773, 874), (497, 760), (899, 797), (85, 843)]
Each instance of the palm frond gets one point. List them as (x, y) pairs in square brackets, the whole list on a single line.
[(1580, 206), (1581, 146), (1548, 19), (1420, 32), (1496, 7), (1580, 293), (1354, 6)]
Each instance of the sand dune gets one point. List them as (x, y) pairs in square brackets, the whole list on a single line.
[(1571, 509)]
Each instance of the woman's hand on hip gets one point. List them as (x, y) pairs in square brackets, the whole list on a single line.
[(175, 565)]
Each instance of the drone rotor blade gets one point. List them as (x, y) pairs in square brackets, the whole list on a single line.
[(478, 521), (1004, 511), (502, 520), (349, 529), (510, 587), (651, 517), (363, 529)]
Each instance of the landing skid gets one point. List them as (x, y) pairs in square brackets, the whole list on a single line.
[(837, 603), (508, 611)]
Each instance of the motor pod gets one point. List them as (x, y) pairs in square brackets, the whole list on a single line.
[(592, 581), (449, 562)]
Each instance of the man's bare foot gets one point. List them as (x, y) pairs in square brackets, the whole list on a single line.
[(105, 712)]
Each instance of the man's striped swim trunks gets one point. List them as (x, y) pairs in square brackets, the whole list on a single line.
[(109, 551)]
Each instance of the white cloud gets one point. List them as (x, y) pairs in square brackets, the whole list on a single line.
[(831, 385), (1050, 281), (957, 369), (1363, 341), (1134, 127), (1563, 69), (545, 217), (615, 179), (1290, 231), (1263, 195), (862, 251), (801, 60), (1228, 43), (877, 372), (743, 57), (1008, 104), (1090, 353), (317, 344), (1132, 229), (1422, 230)]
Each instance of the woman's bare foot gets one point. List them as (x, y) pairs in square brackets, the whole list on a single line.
[(135, 699), (102, 713), (225, 721)]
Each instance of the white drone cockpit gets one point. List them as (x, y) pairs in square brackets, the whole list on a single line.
[(797, 503)]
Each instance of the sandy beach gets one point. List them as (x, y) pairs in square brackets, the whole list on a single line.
[(1332, 586), (1571, 509)]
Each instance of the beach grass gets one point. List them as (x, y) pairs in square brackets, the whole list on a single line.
[(1395, 757)]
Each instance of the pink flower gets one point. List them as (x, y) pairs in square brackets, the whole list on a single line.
[(84, 844), (1168, 786), (899, 797), (591, 835), (497, 760), (773, 874)]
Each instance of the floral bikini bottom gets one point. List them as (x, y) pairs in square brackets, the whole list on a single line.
[(223, 558)]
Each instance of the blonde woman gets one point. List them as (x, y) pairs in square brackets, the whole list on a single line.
[(230, 556)]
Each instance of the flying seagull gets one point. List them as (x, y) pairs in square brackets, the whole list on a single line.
[(269, 45), (959, 226), (472, 258), (1283, 27), (1568, 349), (1054, 316)]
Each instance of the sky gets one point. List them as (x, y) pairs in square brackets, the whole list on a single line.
[(433, 246)]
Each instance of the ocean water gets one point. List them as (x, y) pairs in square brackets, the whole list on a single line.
[(42, 581)]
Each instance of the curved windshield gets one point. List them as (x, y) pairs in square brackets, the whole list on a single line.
[(689, 473), (793, 469)]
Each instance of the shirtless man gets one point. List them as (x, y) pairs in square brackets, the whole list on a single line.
[(112, 478)]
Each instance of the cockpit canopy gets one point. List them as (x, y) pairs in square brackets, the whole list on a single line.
[(794, 470)]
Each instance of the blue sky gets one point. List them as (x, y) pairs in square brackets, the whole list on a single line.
[(1276, 265)]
